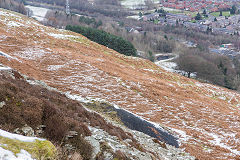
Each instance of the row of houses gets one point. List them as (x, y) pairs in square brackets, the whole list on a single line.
[(197, 5), (218, 25), (180, 17)]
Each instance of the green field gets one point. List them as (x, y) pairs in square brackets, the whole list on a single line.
[(225, 13)]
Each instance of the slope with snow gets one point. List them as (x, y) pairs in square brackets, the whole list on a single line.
[(204, 117), (7, 150)]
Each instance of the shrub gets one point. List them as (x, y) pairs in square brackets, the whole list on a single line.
[(34, 106)]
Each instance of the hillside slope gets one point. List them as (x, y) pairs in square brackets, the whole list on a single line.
[(205, 117), (31, 108)]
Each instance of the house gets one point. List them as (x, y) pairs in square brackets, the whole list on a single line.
[(129, 29), (180, 17), (220, 18), (229, 46), (172, 22), (222, 31), (149, 17)]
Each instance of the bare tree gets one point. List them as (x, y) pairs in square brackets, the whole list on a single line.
[(150, 4)]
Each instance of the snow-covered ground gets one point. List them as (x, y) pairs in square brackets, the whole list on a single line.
[(167, 64), (62, 36), (38, 12), (9, 155), (18, 137), (133, 3), (170, 66), (4, 68)]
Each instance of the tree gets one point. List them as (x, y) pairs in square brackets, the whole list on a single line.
[(151, 56), (166, 37), (233, 9), (149, 3), (215, 19), (140, 14), (220, 14), (188, 63), (177, 22), (210, 72), (204, 12), (165, 46), (114, 42), (209, 30), (198, 16), (204, 69)]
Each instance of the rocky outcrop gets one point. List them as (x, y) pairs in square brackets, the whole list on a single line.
[(3, 103), (149, 149)]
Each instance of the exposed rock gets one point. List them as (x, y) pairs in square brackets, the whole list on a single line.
[(112, 143), (96, 146), (3, 103), (39, 130), (26, 131)]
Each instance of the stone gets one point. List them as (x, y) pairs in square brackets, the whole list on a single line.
[(96, 146), (2, 104), (27, 131)]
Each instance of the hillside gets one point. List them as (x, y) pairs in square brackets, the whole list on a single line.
[(203, 116), (31, 109)]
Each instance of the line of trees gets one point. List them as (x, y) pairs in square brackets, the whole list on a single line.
[(90, 21), (216, 69), (13, 5), (114, 42)]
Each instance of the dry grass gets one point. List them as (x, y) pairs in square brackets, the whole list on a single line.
[(34, 105), (174, 101)]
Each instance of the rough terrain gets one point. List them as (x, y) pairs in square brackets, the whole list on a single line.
[(204, 117)]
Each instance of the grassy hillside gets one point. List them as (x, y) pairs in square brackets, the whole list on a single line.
[(204, 117), (36, 106)]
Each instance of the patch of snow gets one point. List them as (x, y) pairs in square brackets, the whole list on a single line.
[(8, 155), (14, 24), (182, 135), (32, 53), (8, 14), (134, 17), (222, 98), (18, 137), (168, 66), (134, 3), (5, 55), (24, 155), (150, 70), (231, 99), (38, 13), (2, 37), (54, 67), (5, 68), (77, 98), (62, 36), (217, 141)]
